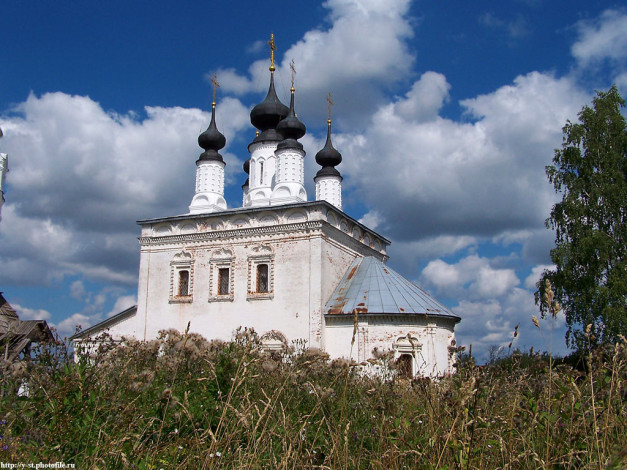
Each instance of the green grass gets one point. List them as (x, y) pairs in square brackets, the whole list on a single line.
[(184, 402)]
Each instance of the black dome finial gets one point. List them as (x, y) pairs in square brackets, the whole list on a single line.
[(267, 114), (212, 139), (328, 158), (291, 128)]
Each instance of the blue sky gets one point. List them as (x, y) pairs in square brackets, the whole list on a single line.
[(445, 112)]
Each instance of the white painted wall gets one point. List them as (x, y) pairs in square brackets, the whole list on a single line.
[(262, 173), (290, 177), (307, 261), (431, 339), (329, 188), (209, 194), (308, 247)]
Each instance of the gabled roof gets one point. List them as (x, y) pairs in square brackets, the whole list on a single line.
[(370, 287), (103, 325), (19, 334), (7, 313)]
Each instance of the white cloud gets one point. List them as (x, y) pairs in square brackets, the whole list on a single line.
[(487, 323), (26, 313), (121, 304), (371, 219), (363, 49), (602, 38), (67, 327), (77, 290), (405, 256), (536, 274), (435, 177), (472, 276), (425, 98), (231, 81), (80, 177), (97, 306), (492, 282), (442, 275)]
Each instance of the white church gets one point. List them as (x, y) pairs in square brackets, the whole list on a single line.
[(290, 268)]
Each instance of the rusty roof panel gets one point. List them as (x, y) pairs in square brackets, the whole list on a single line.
[(371, 287)]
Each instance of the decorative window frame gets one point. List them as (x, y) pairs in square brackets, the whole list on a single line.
[(408, 345), (260, 254), (274, 342), (222, 258), (182, 261)]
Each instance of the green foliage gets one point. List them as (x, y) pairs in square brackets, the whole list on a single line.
[(184, 402), (590, 170)]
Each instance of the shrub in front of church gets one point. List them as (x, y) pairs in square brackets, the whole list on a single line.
[(184, 402)]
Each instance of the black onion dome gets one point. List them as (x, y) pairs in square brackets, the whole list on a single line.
[(267, 114), (328, 171), (246, 167), (291, 128), (328, 156), (211, 140)]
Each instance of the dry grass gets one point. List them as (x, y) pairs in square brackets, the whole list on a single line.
[(184, 402)]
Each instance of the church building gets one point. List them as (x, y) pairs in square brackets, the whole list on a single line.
[(292, 269)]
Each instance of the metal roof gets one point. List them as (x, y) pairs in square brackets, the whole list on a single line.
[(99, 327), (369, 286)]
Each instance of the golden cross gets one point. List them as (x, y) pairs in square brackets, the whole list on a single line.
[(330, 102), (272, 49), (293, 69), (216, 85)]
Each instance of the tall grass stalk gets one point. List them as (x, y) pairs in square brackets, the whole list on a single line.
[(184, 402)]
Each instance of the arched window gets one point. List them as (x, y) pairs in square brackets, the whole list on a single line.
[(261, 273), (221, 274), (262, 278), (181, 278), (260, 173), (183, 282), (404, 365)]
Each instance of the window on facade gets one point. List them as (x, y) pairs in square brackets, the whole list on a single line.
[(261, 173), (262, 278), (223, 281), (183, 283), (404, 366)]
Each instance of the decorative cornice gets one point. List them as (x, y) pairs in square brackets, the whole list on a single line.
[(333, 234), (319, 209), (315, 225)]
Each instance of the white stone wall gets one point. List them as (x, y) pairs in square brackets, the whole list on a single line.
[(329, 188), (308, 248), (210, 177), (124, 328), (290, 177), (262, 174), (302, 248), (209, 195), (428, 340), (285, 308)]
